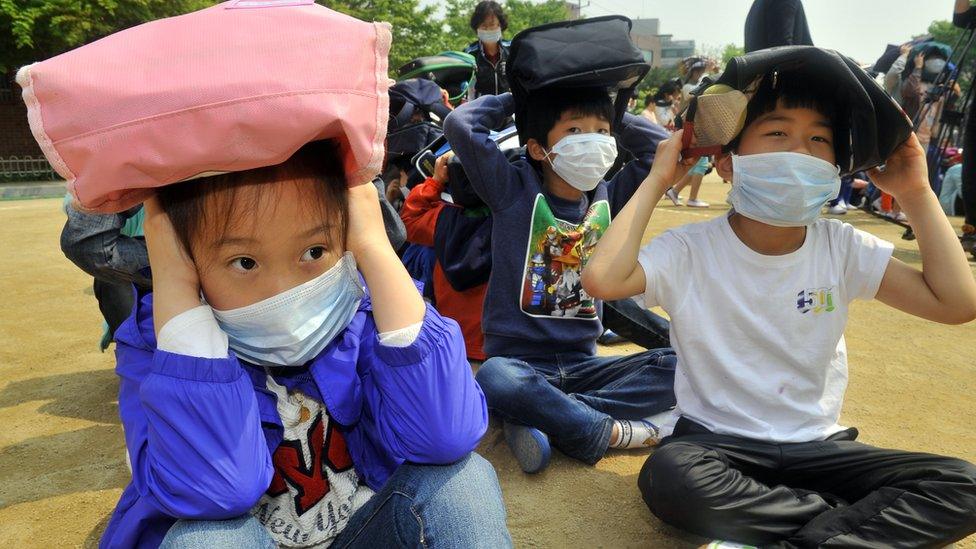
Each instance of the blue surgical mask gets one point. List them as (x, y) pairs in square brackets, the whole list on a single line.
[(934, 66), (293, 327), (489, 36), (783, 189)]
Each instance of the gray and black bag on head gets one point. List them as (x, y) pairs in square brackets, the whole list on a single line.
[(586, 53), (873, 124)]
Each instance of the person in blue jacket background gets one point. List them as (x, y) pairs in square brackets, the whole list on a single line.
[(310, 398)]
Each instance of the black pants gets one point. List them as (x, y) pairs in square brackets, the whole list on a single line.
[(969, 169), (636, 324), (834, 493), (115, 301)]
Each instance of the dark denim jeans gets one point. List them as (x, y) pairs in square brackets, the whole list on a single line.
[(458, 505), (846, 186), (574, 398)]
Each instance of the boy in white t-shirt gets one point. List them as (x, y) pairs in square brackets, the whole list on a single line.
[(758, 303)]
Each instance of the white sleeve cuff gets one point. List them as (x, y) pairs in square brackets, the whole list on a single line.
[(193, 333), (404, 337)]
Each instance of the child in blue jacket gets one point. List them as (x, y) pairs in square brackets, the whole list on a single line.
[(311, 399)]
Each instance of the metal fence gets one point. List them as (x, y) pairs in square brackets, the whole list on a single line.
[(27, 168)]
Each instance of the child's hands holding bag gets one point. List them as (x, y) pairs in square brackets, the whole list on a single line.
[(906, 171)]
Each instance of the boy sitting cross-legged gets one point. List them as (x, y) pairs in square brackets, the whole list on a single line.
[(756, 454), (542, 376)]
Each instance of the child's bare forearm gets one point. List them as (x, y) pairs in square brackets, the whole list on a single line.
[(395, 299), (613, 271), (944, 267)]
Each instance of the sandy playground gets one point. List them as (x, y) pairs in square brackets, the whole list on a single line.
[(61, 449)]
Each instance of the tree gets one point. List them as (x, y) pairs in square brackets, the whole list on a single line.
[(730, 51), (416, 29), (946, 32), (524, 14), (521, 14), (32, 30)]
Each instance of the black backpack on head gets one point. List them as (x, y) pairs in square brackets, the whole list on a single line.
[(873, 124), (416, 113), (586, 53)]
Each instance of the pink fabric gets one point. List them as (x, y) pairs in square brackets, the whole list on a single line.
[(218, 90)]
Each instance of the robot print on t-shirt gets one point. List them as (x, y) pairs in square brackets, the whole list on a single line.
[(554, 260)]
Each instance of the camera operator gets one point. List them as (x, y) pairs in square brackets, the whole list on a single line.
[(965, 17)]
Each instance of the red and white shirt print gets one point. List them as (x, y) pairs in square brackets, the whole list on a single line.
[(315, 488)]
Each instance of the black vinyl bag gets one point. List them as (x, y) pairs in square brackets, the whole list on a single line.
[(584, 53), (406, 133), (875, 124), (463, 247)]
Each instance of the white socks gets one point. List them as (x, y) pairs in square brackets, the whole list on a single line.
[(638, 433)]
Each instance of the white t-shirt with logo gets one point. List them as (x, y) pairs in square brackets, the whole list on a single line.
[(759, 338)]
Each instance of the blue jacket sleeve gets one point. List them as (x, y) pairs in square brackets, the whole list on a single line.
[(640, 136), (423, 399), (468, 130), (192, 427)]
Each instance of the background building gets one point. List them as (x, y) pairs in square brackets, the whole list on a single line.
[(660, 50)]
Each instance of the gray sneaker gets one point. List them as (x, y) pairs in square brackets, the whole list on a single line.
[(673, 196)]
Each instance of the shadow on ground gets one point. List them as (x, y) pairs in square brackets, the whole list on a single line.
[(88, 395)]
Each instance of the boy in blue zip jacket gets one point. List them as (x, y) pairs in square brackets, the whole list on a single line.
[(295, 407), (542, 376)]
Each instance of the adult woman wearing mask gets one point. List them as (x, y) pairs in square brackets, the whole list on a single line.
[(490, 51)]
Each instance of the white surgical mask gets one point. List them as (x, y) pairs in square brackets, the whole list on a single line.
[(583, 159), (293, 327), (489, 36), (783, 189)]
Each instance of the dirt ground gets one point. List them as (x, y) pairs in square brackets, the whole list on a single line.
[(61, 447)]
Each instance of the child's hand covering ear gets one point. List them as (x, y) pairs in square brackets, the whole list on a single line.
[(176, 285), (396, 302), (905, 170), (668, 166)]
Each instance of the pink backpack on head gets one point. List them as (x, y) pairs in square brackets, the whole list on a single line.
[(240, 85)]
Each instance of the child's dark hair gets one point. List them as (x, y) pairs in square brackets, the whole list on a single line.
[(796, 89), (486, 8), (205, 210), (666, 89), (547, 106)]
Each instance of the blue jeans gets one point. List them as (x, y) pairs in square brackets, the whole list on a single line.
[(458, 505), (846, 186), (574, 398)]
